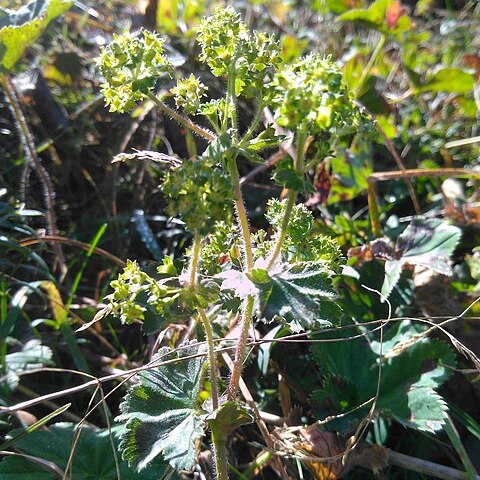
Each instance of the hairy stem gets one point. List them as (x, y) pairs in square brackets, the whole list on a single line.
[(220, 451), (254, 124), (192, 274), (292, 197), (249, 301), (211, 356), (194, 259), (240, 350), (282, 232), (241, 213), (230, 100), (186, 122)]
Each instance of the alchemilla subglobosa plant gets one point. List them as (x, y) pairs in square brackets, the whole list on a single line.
[(283, 274)]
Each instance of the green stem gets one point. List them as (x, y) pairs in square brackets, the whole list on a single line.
[(220, 453), (241, 213), (230, 99), (211, 356), (370, 64), (249, 300), (282, 233), (253, 125), (240, 350), (292, 197), (194, 259), (186, 122)]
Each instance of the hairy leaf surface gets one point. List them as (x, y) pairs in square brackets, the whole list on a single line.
[(93, 456), (301, 295), (162, 413)]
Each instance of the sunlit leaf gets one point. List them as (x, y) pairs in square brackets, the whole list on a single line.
[(453, 80), (20, 28), (425, 242)]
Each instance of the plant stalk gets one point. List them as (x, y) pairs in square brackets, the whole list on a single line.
[(220, 453), (241, 213), (249, 300), (240, 350), (186, 122), (211, 356), (292, 198), (194, 259), (254, 124)]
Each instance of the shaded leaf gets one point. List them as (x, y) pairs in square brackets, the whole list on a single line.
[(408, 381), (32, 355), (93, 456), (146, 234), (162, 414), (301, 295)]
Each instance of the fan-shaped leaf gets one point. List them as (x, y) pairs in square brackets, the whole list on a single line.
[(162, 414)]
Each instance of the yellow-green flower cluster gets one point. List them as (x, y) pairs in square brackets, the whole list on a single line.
[(188, 94), (131, 65), (227, 47), (200, 193), (311, 94), (135, 293)]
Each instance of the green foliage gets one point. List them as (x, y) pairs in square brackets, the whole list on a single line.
[(199, 192), (131, 65), (139, 297), (453, 80), (411, 371), (286, 176), (382, 15), (92, 458), (300, 294), (20, 28), (428, 243), (156, 299), (222, 247), (162, 414)]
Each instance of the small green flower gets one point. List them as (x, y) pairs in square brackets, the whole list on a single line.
[(201, 193), (228, 47), (219, 36), (303, 243), (131, 65), (311, 94), (188, 94)]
